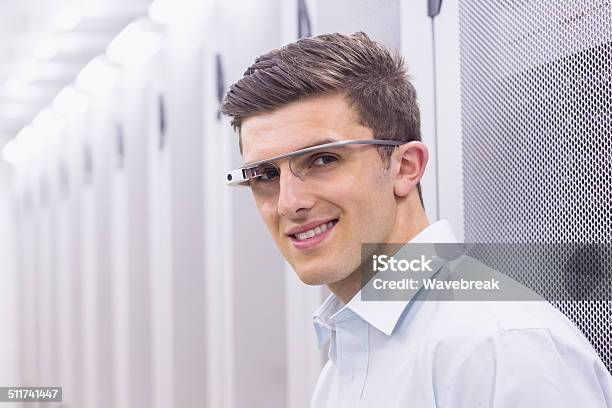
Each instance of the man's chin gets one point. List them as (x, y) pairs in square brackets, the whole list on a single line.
[(312, 280), (315, 278)]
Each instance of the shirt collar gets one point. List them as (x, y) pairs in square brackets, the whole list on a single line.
[(380, 314)]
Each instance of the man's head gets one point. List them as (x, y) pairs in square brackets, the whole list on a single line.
[(332, 88)]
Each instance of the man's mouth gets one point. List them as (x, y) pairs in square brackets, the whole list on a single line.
[(313, 232)]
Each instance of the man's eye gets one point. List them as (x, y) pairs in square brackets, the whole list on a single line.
[(269, 174), (324, 160)]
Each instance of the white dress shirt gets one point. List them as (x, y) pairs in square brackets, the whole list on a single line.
[(462, 354)]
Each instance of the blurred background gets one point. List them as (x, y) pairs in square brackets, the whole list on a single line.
[(132, 277)]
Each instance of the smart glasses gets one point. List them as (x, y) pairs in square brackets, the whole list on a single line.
[(314, 162)]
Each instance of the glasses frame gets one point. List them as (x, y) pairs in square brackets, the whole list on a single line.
[(238, 177)]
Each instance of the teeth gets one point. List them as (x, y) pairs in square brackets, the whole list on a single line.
[(315, 231)]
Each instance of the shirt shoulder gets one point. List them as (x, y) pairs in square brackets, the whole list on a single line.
[(527, 367), (494, 340)]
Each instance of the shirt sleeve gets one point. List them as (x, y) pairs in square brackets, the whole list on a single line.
[(529, 368)]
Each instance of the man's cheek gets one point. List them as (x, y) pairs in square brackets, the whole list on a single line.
[(339, 195), (268, 214)]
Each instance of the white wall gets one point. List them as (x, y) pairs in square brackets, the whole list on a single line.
[(9, 313)]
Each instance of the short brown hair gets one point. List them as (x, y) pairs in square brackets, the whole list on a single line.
[(374, 81)]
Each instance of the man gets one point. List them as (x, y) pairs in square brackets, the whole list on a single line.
[(330, 134)]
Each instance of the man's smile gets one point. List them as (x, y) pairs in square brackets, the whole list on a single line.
[(308, 235)]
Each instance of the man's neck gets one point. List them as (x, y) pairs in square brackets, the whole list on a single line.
[(405, 231)]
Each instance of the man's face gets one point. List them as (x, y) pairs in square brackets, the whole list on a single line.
[(358, 204)]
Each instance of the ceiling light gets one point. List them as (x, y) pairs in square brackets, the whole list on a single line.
[(167, 11), (65, 19), (162, 11), (16, 86), (14, 110), (20, 90), (45, 49)]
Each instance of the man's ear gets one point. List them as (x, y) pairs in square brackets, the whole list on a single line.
[(409, 161)]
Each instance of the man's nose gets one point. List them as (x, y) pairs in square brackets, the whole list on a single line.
[(294, 196)]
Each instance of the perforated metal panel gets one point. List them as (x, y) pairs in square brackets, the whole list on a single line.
[(380, 19), (537, 134)]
